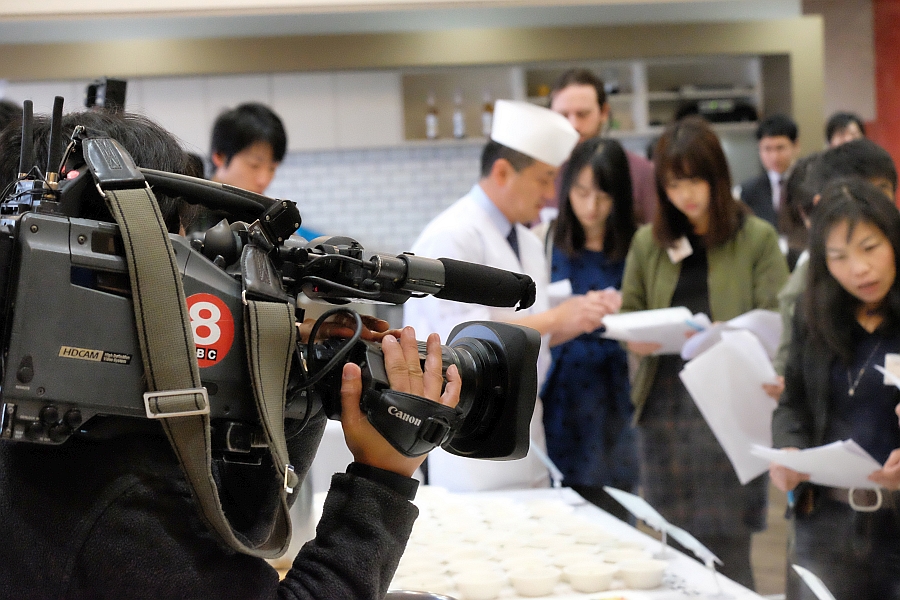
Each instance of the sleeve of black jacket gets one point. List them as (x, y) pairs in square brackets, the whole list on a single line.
[(114, 518), (359, 540)]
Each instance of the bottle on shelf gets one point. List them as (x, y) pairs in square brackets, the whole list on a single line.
[(487, 115), (431, 118), (459, 116)]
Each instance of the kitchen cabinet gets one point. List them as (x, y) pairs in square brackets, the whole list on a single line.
[(644, 94)]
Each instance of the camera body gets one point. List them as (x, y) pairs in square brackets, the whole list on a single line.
[(69, 339)]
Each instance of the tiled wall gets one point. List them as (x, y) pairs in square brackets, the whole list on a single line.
[(381, 197)]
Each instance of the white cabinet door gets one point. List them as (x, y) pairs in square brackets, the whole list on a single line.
[(42, 94), (179, 105), (225, 92), (306, 104), (369, 109)]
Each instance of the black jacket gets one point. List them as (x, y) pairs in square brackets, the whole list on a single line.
[(802, 416), (114, 518), (757, 194)]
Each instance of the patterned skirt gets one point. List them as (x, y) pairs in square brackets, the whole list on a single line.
[(685, 474)]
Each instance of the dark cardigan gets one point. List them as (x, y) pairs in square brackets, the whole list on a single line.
[(803, 412)]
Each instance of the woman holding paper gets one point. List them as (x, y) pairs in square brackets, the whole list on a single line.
[(846, 329), (587, 406), (705, 252)]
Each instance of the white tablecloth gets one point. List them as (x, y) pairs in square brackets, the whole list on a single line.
[(685, 577)]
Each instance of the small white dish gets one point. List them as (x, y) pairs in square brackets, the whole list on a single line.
[(590, 576), (534, 582), (480, 585), (645, 574), (622, 554)]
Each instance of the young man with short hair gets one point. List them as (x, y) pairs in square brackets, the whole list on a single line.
[(778, 149), (248, 143)]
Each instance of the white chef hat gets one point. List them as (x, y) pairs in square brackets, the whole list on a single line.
[(534, 131)]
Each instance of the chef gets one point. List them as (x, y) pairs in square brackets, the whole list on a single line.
[(518, 169)]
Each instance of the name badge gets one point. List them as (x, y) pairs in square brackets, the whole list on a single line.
[(892, 366), (680, 251)]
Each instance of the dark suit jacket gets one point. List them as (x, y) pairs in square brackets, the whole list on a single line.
[(757, 194)]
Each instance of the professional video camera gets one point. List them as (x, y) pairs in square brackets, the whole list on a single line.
[(68, 328)]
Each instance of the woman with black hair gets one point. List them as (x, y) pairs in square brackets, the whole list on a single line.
[(849, 322), (704, 252), (587, 410)]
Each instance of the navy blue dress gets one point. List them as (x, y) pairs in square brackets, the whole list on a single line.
[(587, 404)]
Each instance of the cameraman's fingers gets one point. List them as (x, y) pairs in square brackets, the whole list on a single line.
[(401, 362), (410, 347), (375, 324), (433, 378), (450, 397), (351, 392)]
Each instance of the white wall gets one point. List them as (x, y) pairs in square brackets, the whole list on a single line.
[(849, 56), (381, 197)]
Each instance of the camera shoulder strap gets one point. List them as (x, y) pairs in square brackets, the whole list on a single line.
[(175, 394), (270, 335)]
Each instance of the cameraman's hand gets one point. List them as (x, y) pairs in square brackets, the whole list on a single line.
[(342, 325), (401, 361)]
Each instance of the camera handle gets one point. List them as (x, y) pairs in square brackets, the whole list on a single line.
[(412, 424)]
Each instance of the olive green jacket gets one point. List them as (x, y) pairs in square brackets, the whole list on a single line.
[(745, 272)]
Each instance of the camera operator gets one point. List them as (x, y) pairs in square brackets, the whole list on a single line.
[(109, 513)]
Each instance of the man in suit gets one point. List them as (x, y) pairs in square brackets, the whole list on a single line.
[(778, 148)]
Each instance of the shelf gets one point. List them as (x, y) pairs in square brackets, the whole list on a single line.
[(701, 95), (656, 130)]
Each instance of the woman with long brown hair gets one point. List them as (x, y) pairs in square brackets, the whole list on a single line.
[(705, 252)]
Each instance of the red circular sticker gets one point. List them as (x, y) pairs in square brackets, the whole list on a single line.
[(213, 328)]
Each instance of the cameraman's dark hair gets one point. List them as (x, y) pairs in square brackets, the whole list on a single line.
[(777, 125), (690, 149), (610, 173), (150, 146), (10, 112), (829, 308), (858, 158), (840, 121), (243, 126), (494, 151), (580, 77)]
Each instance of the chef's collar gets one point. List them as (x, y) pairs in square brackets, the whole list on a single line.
[(503, 225)]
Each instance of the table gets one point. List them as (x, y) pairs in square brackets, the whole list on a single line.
[(450, 521)]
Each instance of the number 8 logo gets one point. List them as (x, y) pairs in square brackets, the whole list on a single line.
[(213, 327), (210, 322)]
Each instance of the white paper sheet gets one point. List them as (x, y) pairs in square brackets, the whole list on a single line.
[(725, 382), (559, 291), (815, 584), (764, 324), (639, 507), (693, 544), (667, 326), (642, 510), (839, 464)]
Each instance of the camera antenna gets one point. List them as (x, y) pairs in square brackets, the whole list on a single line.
[(26, 153), (56, 147)]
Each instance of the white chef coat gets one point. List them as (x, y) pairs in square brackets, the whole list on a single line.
[(474, 230)]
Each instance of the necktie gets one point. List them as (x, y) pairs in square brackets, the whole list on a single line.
[(513, 240)]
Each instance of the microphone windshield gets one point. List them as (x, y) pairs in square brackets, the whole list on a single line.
[(478, 284)]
